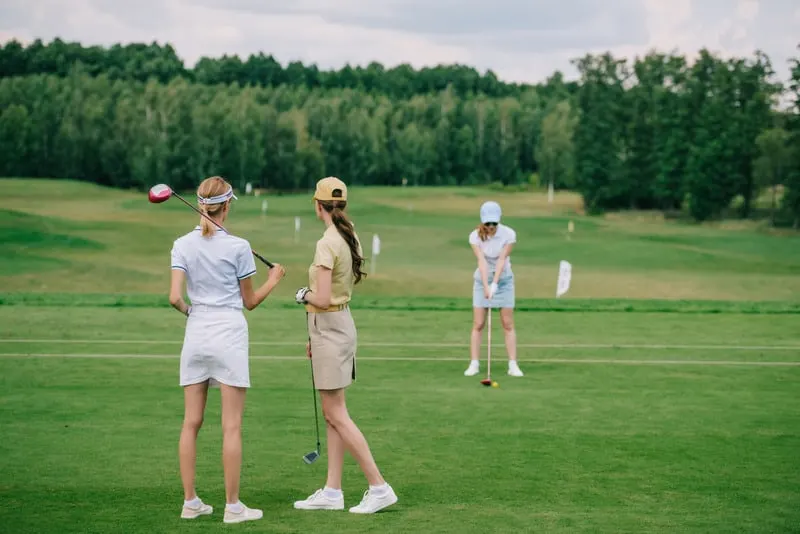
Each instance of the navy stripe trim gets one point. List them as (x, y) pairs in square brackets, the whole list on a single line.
[(179, 267), (199, 228), (251, 273)]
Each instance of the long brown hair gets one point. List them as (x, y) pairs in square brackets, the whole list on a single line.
[(483, 231), (345, 227), (212, 187)]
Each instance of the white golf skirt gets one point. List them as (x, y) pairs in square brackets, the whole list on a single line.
[(215, 348)]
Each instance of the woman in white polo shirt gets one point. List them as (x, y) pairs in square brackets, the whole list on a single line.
[(493, 285), (217, 269)]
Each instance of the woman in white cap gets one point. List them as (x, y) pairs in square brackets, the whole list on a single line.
[(336, 268), (217, 269), (493, 283)]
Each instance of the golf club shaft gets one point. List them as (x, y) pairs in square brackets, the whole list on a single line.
[(313, 389), (489, 346), (256, 254)]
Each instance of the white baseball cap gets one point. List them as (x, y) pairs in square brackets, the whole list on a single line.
[(490, 212)]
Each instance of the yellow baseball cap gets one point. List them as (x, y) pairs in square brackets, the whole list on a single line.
[(330, 188)]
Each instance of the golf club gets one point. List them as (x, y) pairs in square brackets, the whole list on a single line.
[(488, 380), (312, 456), (161, 193)]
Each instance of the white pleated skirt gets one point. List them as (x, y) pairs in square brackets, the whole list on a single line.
[(215, 348)]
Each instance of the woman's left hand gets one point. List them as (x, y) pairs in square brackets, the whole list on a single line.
[(308, 349)]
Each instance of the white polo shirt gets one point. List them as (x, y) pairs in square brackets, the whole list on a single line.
[(213, 266), (493, 246)]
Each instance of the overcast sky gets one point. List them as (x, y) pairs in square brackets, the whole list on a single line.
[(520, 40)]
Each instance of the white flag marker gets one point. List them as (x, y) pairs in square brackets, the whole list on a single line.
[(564, 277), (376, 249)]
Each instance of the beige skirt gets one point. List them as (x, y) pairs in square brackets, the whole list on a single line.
[(333, 348)]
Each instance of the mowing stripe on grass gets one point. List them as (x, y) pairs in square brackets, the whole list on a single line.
[(407, 359), (423, 345)]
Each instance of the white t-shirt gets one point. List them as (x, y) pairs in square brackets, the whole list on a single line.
[(493, 246), (213, 266)]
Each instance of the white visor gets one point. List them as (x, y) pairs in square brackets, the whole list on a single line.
[(219, 199)]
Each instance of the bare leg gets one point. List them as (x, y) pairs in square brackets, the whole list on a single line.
[(336, 416), (194, 399), (232, 411), (478, 322), (507, 318), (336, 450)]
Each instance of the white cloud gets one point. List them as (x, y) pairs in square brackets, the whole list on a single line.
[(520, 41), (747, 9)]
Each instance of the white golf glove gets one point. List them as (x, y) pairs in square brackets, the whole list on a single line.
[(492, 289), (300, 296)]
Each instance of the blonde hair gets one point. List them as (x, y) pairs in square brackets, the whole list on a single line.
[(212, 187)]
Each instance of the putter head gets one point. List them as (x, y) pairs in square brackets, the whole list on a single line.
[(486, 382), (159, 193), (311, 457)]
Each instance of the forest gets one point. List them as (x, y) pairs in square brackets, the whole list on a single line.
[(705, 137)]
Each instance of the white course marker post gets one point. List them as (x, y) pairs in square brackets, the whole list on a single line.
[(376, 249), (248, 188), (564, 277), (264, 207), (296, 229)]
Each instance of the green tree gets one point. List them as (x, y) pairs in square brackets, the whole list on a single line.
[(600, 141), (791, 197), (555, 151), (772, 162)]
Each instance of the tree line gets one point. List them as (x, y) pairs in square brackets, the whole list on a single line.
[(141, 62), (658, 132)]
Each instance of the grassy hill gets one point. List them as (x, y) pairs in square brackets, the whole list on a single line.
[(64, 236)]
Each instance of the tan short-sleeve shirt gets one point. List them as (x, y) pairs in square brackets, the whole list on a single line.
[(333, 253)]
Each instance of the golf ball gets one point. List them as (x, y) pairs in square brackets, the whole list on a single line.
[(495, 384)]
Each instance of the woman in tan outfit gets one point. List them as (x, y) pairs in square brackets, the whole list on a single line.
[(332, 348)]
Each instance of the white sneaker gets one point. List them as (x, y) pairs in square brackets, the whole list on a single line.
[(246, 514), (192, 512), (371, 502), (319, 501), (473, 368), (513, 369)]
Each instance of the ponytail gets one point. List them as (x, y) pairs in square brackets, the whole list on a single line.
[(211, 187), (345, 228), (483, 233), (212, 210)]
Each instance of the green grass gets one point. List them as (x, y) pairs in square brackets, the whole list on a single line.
[(661, 393), (81, 238), (660, 443)]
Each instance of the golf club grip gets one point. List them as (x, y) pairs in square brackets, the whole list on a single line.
[(256, 254), (260, 257)]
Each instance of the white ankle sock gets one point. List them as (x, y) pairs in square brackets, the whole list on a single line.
[(236, 508), (331, 493), (194, 503), (380, 489)]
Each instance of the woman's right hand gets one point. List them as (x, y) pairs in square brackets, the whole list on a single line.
[(276, 273), (487, 292), (308, 349)]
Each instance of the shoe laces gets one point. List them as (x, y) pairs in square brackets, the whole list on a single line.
[(320, 493), (365, 498)]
